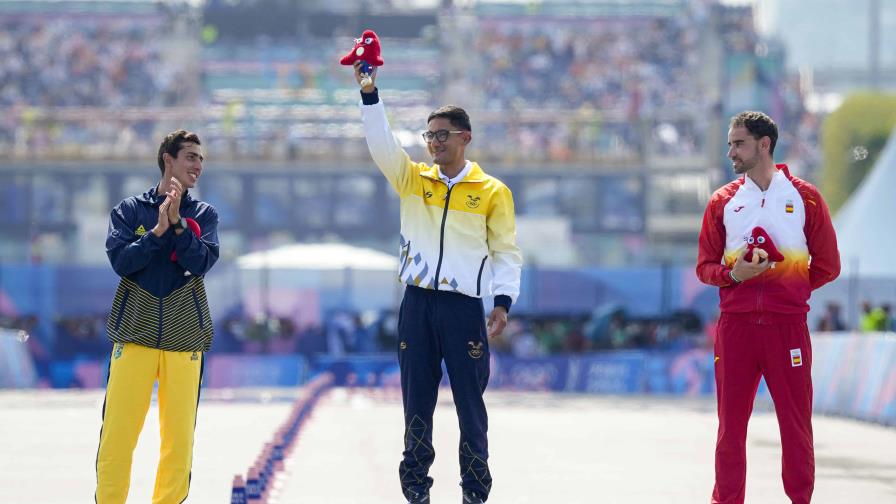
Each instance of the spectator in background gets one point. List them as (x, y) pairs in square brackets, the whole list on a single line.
[(550, 335), (283, 340), (232, 333), (341, 333), (81, 336), (312, 339), (866, 318), (385, 330), (830, 320), (363, 338), (606, 328), (523, 343), (885, 321), (874, 319)]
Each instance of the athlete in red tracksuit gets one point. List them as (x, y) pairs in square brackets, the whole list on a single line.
[(762, 329)]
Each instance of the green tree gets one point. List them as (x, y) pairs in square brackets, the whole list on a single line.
[(852, 138)]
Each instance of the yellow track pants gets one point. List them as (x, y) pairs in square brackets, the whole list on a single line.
[(133, 371)]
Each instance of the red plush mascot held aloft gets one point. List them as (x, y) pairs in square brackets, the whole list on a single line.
[(367, 50)]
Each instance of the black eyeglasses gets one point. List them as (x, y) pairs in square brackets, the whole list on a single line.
[(440, 135)]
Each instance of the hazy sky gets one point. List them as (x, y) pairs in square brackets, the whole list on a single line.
[(827, 33)]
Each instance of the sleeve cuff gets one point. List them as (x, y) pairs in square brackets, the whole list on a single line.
[(503, 300), (371, 98), (159, 241), (731, 278)]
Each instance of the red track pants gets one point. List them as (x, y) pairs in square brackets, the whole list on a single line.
[(778, 348)]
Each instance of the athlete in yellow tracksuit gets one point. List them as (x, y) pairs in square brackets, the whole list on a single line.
[(161, 244)]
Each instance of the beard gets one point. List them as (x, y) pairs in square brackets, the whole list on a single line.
[(745, 165)]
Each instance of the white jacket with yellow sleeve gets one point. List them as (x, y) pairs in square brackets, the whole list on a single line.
[(461, 239)]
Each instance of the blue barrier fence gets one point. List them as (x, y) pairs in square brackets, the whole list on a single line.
[(50, 291), (854, 375)]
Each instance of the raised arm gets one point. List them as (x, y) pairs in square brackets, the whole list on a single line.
[(387, 153)]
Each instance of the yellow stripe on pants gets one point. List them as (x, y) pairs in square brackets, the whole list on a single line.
[(132, 373)]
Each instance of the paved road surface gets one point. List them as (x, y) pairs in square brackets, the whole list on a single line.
[(545, 448)]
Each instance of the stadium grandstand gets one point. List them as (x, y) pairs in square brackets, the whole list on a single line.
[(624, 101)]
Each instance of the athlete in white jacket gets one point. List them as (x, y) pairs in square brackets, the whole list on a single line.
[(458, 244)]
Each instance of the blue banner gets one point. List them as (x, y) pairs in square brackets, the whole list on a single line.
[(367, 370), (544, 373), (254, 371), (853, 374), (610, 373)]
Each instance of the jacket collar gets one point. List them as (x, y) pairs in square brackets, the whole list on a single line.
[(782, 174), (151, 197), (476, 174), (782, 168)]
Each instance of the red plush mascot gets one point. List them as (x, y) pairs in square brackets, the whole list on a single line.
[(759, 239), (194, 227), (367, 50)]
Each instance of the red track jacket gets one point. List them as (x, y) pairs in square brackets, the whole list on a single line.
[(799, 223)]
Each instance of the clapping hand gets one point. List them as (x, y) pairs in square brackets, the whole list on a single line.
[(175, 192)]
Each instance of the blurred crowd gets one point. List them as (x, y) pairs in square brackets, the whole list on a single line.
[(107, 62), (610, 88), (607, 328), (625, 64), (86, 62), (871, 318), (627, 69), (349, 332), (342, 333)]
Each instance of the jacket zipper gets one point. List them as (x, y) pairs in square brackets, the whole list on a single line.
[(761, 280), (159, 337), (759, 299), (124, 304), (479, 276), (442, 238), (198, 309)]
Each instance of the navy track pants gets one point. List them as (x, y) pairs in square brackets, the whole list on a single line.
[(432, 326)]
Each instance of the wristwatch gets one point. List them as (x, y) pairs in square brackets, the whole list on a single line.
[(179, 224)]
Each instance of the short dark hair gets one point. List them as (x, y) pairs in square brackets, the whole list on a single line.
[(173, 143), (758, 125), (456, 116)]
